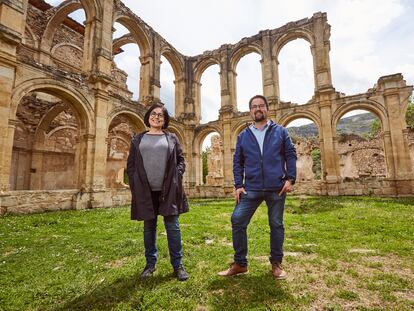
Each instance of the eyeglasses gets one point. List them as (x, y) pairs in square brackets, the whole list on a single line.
[(261, 106), (159, 115)]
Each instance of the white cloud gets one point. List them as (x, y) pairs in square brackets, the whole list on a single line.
[(368, 39)]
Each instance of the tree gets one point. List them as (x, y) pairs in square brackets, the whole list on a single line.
[(316, 166), (204, 155), (409, 116), (374, 129)]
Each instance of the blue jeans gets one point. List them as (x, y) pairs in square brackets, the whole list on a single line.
[(242, 214), (172, 227)]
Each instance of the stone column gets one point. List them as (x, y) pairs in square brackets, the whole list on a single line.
[(320, 52), (227, 156), (330, 161), (11, 29), (179, 83), (269, 71), (227, 81), (389, 158), (395, 94), (100, 142)]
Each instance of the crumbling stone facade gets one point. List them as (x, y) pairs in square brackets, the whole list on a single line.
[(66, 115)]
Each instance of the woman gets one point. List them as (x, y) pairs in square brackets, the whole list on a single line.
[(155, 169)]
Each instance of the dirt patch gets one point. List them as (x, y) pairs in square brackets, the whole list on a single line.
[(118, 263), (344, 283)]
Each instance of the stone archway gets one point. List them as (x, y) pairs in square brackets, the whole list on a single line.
[(121, 128)]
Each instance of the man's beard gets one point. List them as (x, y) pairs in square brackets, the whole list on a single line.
[(259, 116)]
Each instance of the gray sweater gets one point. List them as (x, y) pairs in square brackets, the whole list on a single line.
[(154, 150)]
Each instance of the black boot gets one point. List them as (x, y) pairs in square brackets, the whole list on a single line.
[(147, 272), (181, 274)]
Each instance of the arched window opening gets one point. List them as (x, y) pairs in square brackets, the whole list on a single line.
[(167, 92), (210, 94), (249, 80), (212, 160), (305, 136), (127, 66), (68, 42), (46, 146), (296, 78), (360, 145), (121, 131)]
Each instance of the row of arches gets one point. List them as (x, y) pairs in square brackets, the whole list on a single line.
[(137, 34), (55, 131)]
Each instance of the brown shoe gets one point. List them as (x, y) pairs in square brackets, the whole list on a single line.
[(234, 269), (278, 272)]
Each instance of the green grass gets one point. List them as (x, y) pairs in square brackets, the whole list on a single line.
[(341, 253)]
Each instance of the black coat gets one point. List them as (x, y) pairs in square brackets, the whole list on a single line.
[(173, 200)]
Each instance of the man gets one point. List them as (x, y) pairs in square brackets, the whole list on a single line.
[(264, 168)]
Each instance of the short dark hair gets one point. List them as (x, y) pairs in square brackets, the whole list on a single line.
[(164, 111), (258, 96)]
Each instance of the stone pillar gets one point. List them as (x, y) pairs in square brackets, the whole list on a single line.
[(100, 141), (389, 159), (227, 156), (227, 81), (11, 29), (179, 83), (88, 45), (149, 87), (320, 52), (330, 161), (395, 94), (269, 71)]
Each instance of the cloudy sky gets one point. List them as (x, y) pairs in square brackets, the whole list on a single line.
[(368, 39)]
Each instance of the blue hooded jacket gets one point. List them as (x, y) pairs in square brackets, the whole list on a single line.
[(269, 171)]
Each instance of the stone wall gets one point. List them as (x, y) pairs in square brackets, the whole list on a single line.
[(39, 201)]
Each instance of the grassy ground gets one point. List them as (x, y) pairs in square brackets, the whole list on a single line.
[(341, 254)]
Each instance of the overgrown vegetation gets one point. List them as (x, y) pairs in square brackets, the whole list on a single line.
[(350, 253), (204, 156), (316, 165), (409, 117)]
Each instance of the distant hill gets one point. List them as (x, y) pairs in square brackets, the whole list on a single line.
[(358, 125)]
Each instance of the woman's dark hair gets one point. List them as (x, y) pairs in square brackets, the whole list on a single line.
[(258, 96), (164, 112)]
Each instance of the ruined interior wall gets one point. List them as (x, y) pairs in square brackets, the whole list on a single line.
[(57, 152)]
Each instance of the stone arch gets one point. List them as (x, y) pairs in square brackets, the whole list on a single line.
[(236, 130), (173, 128), (299, 33), (135, 119), (202, 65), (47, 119), (200, 135), (242, 51), (61, 90), (55, 47), (306, 165), (369, 105), (93, 12), (175, 61), (287, 118), (348, 166), (33, 37), (118, 144), (121, 41), (73, 170), (137, 32)]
